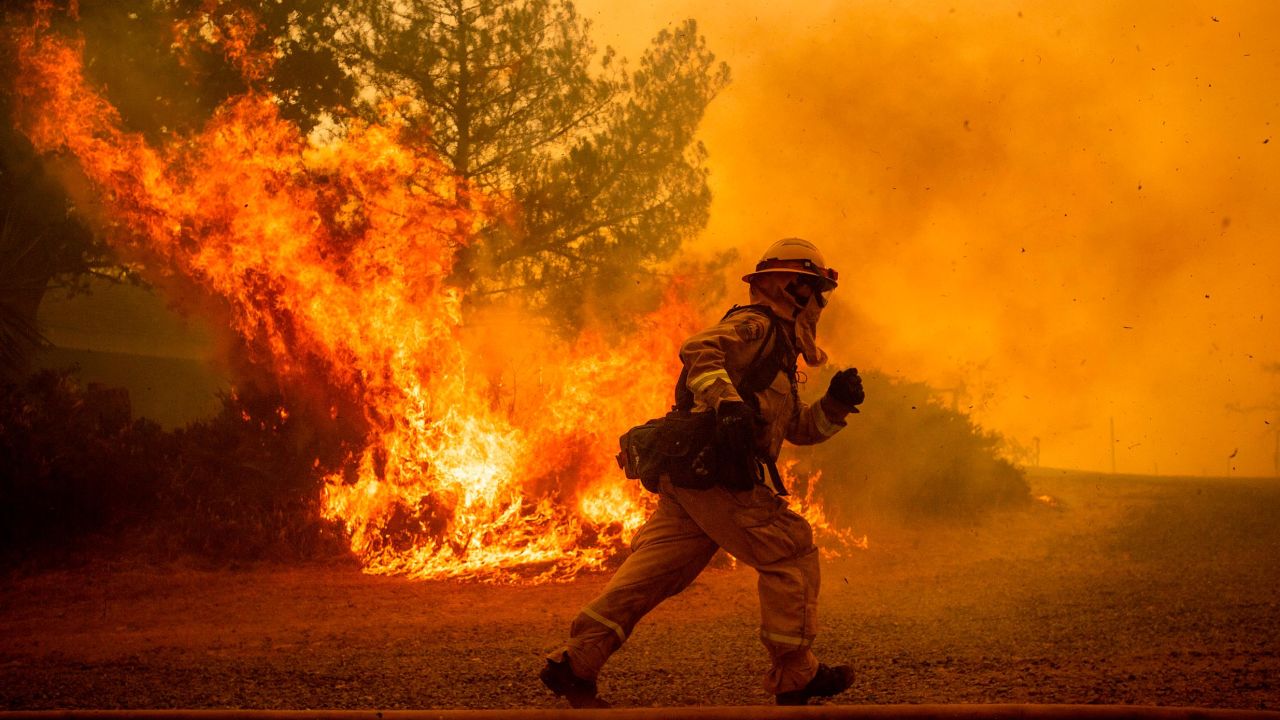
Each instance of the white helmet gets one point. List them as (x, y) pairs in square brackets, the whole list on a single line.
[(795, 255)]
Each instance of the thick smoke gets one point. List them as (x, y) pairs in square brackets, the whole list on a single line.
[(1063, 212)]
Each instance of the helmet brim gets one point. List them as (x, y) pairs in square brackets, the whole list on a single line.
[(827, 283)]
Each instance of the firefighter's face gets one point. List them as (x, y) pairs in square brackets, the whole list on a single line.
[(805, 288)]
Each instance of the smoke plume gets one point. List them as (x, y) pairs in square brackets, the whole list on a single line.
[(1063, 214)]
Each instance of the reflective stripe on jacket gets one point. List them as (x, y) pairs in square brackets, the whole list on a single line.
[(717, 359)]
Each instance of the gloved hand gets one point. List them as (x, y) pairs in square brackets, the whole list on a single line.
[(736, 425), (846, 389)]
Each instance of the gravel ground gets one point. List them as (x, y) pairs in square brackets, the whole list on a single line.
[(1123, 590)]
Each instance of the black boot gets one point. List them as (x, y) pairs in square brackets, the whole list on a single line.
[(559, 679), (826, 682)]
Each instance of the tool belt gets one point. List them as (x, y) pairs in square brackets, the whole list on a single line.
[(683, 447), (682, 444), (679, 445)]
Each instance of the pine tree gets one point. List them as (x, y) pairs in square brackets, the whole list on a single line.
[(598, 163)]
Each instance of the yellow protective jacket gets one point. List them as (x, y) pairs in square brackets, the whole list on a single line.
[(717, 360)]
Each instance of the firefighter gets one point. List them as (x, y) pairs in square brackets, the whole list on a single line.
[(789, 289)]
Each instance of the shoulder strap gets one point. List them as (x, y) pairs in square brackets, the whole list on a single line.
[(774, 354)]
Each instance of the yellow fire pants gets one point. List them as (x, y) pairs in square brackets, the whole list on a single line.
[(677, 542)]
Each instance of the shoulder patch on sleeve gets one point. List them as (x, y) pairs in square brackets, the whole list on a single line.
[(751, 328)]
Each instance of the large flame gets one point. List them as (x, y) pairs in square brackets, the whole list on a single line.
[(331, 258)]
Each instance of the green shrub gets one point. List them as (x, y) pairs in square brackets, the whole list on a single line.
[(72, 465), (907, 455), (76, 470)]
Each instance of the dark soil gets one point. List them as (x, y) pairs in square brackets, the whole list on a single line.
[(1122, 590)]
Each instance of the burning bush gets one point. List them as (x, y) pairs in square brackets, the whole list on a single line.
[(246, 485)]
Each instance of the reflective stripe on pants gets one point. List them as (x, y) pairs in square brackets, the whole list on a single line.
[(677, 542)]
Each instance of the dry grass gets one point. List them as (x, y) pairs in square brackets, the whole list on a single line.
[(1130, 590)]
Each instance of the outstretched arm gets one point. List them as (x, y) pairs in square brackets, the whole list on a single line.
[(817, 422)]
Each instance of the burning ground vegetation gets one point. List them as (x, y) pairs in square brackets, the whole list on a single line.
[(377, 412)]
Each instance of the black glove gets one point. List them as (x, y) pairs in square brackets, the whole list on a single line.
[(736, 425), (846, 389)]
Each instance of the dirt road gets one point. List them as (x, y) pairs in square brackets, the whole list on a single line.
[(1123, 590)]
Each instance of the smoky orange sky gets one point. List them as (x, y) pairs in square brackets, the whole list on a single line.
[(1069, 208)]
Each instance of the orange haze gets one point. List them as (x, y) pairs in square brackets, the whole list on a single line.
[(1067, 209)]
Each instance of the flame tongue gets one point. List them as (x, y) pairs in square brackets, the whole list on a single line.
[(331, 261)]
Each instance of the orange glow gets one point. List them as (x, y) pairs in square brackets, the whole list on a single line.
[(489, 452), (832, 539), (1066, 210)]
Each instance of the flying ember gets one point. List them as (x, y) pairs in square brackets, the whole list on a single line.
[(329, 260)]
